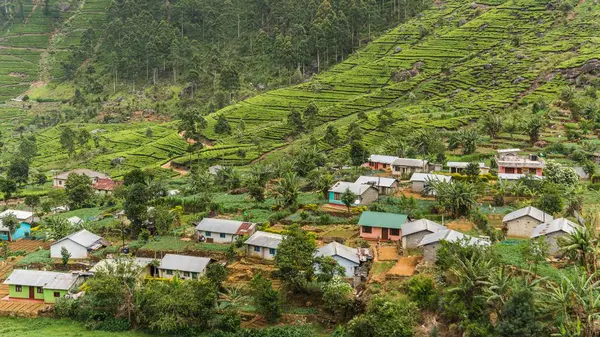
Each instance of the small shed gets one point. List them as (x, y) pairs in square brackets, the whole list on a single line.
[(420, 181), (414, 231), (431, 243), (553, 230), (263, 245), (365, 194), (346, 257), (459, 167), (78, 244), (185, 267), (521, 222), (381, 225), (222, 230), (386, 186)]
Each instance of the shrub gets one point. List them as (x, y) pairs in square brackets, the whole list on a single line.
[(421, 290), (325, 219)]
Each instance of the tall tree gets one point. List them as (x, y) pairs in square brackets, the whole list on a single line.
[(18, 171)]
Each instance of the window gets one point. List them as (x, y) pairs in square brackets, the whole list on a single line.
[(256, 249), (222, 235), (367, 229), (56, 294), (169, 272), (394, 231), (337, 196), (509, 170), (186, 274), (40, 290), (18, 289), (207, 233), (194, 275), (272, 251)]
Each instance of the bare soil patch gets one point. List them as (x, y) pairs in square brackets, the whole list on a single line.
[(460, 224), (405, 267), (387, 253)]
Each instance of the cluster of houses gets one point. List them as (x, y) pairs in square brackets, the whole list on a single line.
[(101, 182)]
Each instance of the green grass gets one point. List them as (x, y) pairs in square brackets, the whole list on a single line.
[(40, 256), (43, 327), (173, 243)]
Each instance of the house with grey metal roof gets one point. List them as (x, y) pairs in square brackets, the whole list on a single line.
[(263, 245), (431, 243), (413, 232), (79, 244), (365, 194), (346, 257), (222, 230), (386, 186), (553, 230), (185, 267), (407, 166), (143, 266), (420, 181), (460, 166), (521, 222), (41, 285), (60, 179)]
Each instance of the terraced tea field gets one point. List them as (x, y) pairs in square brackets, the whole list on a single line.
[(441, 70)]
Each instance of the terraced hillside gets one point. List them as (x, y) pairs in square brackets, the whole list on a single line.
[(443, 69)]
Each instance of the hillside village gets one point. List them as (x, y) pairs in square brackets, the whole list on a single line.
[(299, 168)]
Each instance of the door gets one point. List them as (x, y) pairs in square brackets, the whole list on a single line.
[(384, 233), (31, 292)]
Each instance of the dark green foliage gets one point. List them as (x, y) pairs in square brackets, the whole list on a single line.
[(222, 126), (216, 273), (18, 171), (331, 136), (8, 187), (266, 298), (421, 290), (385, 317), (135, 176), (136, 205), (79, 191), (348, 198), (295, 122), (295, 259), (358, 153), (519, 317)]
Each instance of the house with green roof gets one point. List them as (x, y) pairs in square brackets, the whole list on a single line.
[(381, 226)]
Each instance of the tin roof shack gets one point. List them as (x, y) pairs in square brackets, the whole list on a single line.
[(78, 244), (143, 265), (40, 285), (552, 231), (385, 186), (459, 167), (431, 243), (346, 257), (420, 181), (413, 232), (521, 222), (185, 267), (263, 245), (222, 230), (365, 194), (510, 162), (381, 226)]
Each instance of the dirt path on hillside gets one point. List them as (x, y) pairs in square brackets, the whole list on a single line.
[(168, 166), (35, 6)]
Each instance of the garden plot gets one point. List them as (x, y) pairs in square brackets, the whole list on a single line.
[(405, 267)]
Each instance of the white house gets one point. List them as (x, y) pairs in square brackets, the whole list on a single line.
[(22, 216), (346, 257), (60, 180), (386, 186), (222, 230), (431, 243), (420, 181), (521, 222), (553, 230), (186, 267), (263, 245), (78, 244), (413, 232), (459, 167), (365, 194), (406, 166)]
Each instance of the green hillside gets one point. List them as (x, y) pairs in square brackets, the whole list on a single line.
[(443, 69)]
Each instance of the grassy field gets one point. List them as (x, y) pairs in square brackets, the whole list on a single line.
[(42, 327)]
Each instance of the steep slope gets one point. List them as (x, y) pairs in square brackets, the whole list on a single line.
[(441, 70)]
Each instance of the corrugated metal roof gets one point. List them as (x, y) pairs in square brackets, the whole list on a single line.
[(87, 172), (508, 150), (264, 239), (376, 158), (184, 263), (219, 225), (20, 215), (383, 220), (83, 237), (428, 177), (343, 186), (421, 225), (39, 278), (528, 211), (74, 220), (376, 181), (104, 265), (451, 236), (462, 164), (410, 162), (334, 248), (556, 225)]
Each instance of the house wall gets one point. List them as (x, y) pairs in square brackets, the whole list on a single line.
[(217, 237), (181, 274), (537, 171), (264, 253), (552, 241), (400, 170), (430, 251), (377, 234), (378, 166), (24, 293), (49, 295), (348, 266), (77, 251), (412, 241), (521, 227), (369, 196), (418, 186), (59, 183)]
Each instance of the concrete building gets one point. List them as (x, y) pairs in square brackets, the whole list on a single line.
[(143, 264), (185, 267), (553, 230), (78, 244), (381, 226), (408, 166), (386, 186), (413, 232), (366, 194), (509, 161), (263, 245), (420, 181), (521, 222), (431, 243), (459, 167), (40, 285), (346, 257), (380, 162), (60, 180), (222, 230)]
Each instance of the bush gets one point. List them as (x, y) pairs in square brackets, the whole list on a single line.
[(325, 219), (421, 290), (66, 307), (110, 324)]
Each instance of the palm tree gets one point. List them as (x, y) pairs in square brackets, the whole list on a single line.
[(581, 246), (288, 188), (458, 197)]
